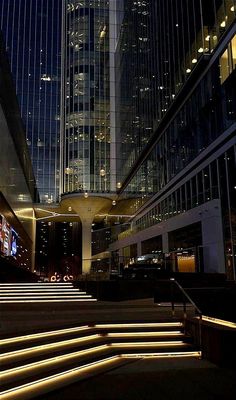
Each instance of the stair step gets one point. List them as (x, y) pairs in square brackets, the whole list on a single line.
[(40, 362), (56, 380)]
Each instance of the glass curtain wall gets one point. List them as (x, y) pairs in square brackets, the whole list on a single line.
[(32, 34), (161, 44), (86, 136)]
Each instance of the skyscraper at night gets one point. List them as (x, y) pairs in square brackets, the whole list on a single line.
[(32, 35), (176, 122), (143, 95)]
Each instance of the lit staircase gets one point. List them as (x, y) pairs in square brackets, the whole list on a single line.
[(34, 364), (41, 293)]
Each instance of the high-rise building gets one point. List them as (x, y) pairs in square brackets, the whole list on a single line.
[(86, 135), (32, 35), (144, 92), (177, 74)]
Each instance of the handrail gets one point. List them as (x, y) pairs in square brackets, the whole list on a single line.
[(185, 311), (187, 296)]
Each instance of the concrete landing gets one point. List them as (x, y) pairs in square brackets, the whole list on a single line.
[(149, 379), (22, 318)]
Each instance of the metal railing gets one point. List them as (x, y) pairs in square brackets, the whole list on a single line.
[(170, 291), (186, 299)]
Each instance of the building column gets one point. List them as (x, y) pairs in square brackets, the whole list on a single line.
[(86, 245), (165, 242), (87, 206), (139, 249)]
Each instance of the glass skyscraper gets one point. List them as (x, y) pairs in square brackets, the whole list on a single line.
[(138, 98), (177, 142), (32, 35), (86, 132)]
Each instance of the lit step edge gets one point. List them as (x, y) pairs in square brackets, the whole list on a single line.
[(140, 325), (151, 344), (146, 334), (17, 291), (46, 301), (16, 355), (33, 336), (19, 355), (174, 354), (25, 371), (37, 284), (57, 381), (57, 332), (46, 296)]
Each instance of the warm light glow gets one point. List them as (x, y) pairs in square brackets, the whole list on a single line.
[(138, 334), (223, 24), (40, 291), (33, 336), (150, 344), (194, 60), (36, 366), (53, 296), (31, 351), (163, 355), (37, 284), (102, 172), (188, 70), (140, 325), (219, 321), (200, 50), (46, 301), (57, 380)]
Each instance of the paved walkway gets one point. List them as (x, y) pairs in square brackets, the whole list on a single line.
[(23, 318), (149, 379)]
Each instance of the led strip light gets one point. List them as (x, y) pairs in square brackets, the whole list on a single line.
[(218, 321), (64, 378), (141, 325), (25, 338), (140, 334), (17, 354), (45, 301)]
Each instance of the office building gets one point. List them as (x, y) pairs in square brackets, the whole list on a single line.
[(17, 184), (32, 36), (177, 68), (147, 132)]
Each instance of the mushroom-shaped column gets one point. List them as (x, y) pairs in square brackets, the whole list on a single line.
[(87, 206)]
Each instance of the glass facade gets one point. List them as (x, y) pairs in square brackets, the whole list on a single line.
[(86, 133), (209, 111), (178, 83), (32, 34), (161, 46)]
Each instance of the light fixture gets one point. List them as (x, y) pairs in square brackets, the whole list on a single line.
[(113, 202), (194, 60), (188, 70), (232, 8), (86, 195), (102, 172), (68, 171), (69, 208), (223, 24), (118, 185), (200, 50)]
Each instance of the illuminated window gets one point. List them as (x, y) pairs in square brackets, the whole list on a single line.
[(224, 66)]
